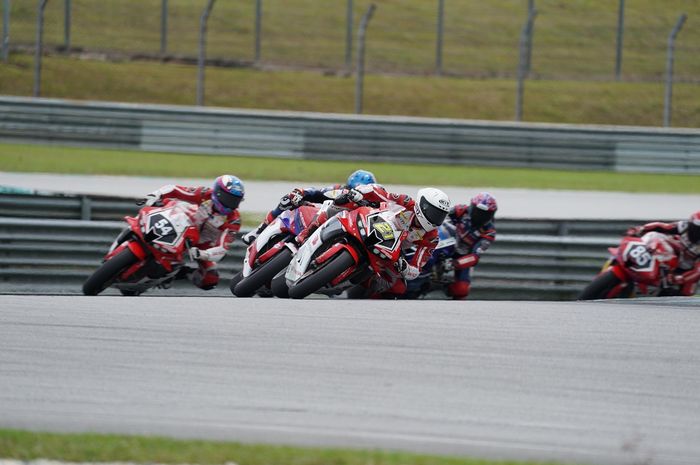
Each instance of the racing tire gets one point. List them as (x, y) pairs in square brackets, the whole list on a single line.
[(108, 272), (279, 287), (263, 274), (600, 286), (322, 276), (235, 280), (130, 293)]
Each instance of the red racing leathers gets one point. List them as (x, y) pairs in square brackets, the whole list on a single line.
[(471, 243), (423, 241), (216, 231), (687, 274)]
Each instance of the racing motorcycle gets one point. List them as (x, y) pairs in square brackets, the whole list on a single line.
[(348, 249), (149, 252), (639, 266), (438, 271), (271, 251)]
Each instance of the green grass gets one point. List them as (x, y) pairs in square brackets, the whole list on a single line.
[(573, 38), (56, 159), (102, 448), (547, 101)]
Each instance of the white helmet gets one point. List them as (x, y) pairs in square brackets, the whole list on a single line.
[(432, 206)]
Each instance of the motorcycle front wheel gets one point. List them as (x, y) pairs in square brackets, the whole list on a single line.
[(108, 272), (322, 276), (278, 285), (263, 274), (600, 287)]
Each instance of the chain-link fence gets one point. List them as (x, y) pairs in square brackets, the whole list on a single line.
[(571, 40)]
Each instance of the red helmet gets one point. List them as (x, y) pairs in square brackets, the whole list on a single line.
[(482, 208), (694, 228)]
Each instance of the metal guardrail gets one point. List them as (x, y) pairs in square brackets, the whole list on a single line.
[(105, 208), (46, 254), (349, 137)]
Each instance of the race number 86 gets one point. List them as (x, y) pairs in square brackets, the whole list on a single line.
[(640, 255)]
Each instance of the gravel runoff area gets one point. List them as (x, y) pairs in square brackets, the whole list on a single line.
[(261, 196)]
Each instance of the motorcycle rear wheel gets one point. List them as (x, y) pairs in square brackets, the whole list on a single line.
[(600, 286), (263, 274), (108, 272), (322, 276)]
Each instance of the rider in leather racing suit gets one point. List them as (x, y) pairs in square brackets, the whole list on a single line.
[(429, 211), (217, 218), (475, 233), (311, 194), (685, 237)]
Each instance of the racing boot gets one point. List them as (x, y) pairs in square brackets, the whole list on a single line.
[(250, 237)]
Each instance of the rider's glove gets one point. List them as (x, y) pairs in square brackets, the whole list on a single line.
[(198, 254), (351, 195), (405, 269), (635, 231), (291, 200), (149, 200)]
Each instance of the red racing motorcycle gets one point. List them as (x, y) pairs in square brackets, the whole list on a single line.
[(271, 251), (639, 266), (149, 252), (348, 249)]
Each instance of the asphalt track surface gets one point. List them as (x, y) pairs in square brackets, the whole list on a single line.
[(513, 203), (599, 383)]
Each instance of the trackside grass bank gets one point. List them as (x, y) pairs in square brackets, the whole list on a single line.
[(56, 159), (24, 445), (593, 102)]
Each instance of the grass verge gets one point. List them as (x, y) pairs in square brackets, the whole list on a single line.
[(55, 159), (621, 103), (25, 445)]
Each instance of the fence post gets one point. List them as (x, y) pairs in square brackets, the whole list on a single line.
[(522, 70), (440, 31), (39, 47), (5, 30), (359, 84), (620, 37), (163, 27), (528, 60), (348, 36), (669, 68), (258, 28), (202, 51), (85, 208), (66, 24)]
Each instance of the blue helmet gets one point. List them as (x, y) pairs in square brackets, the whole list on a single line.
[(227, 193), (360, 177)]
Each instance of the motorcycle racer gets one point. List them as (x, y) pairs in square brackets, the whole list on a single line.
[(429, 210), (685, 235), (217, 218), (475, 232), (310, 194)]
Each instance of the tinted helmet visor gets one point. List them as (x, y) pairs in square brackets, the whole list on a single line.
[(693, 233), (227, 199), (432, 213), (480, 217)]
